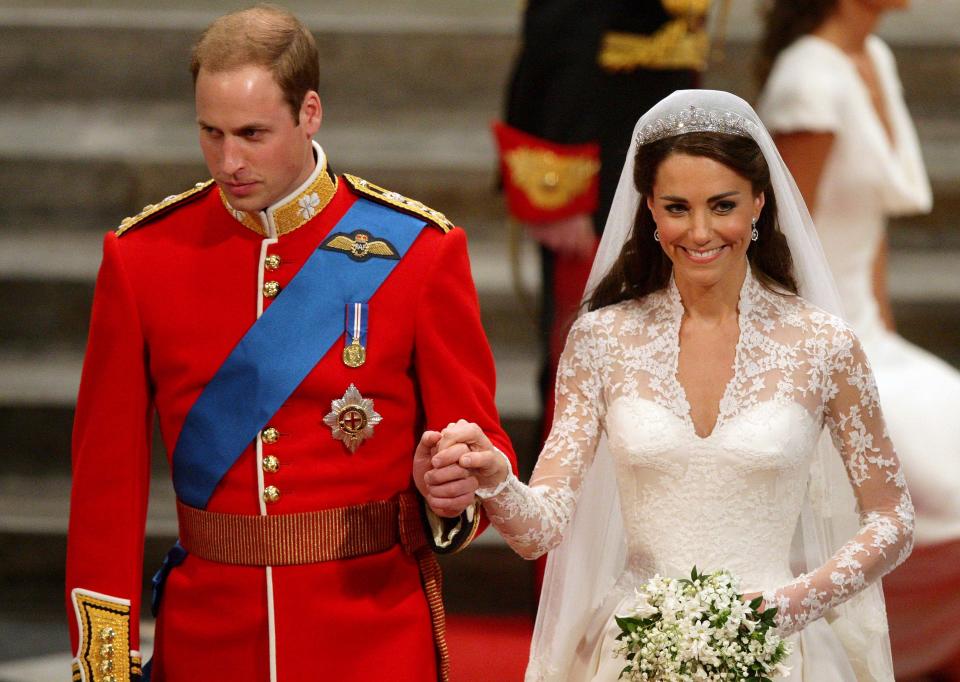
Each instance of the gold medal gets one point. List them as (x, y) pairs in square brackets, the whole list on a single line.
[(354, 354)]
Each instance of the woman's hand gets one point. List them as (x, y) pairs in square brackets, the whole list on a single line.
[(464, 447)]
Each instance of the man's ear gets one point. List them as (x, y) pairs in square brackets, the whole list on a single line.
[(311, 113)]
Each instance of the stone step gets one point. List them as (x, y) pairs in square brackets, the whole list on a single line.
[(930, 22), (421, 53), (377, 65), (86, 166), (94, 175)]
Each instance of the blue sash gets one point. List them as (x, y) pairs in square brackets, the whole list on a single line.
[(281, 348)]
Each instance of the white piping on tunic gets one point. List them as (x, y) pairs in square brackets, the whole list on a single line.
[(266, 219), (271, 621)]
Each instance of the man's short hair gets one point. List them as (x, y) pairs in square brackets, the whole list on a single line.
[(263, 35)]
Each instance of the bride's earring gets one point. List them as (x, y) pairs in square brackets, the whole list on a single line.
[(754, 234), (656, 235)]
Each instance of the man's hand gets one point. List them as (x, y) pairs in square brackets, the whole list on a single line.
[(447, 491), (426, 448), (573, 236)]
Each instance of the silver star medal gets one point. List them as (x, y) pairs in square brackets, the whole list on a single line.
[(352, 418)]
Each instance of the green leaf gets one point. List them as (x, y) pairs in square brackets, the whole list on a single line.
[(756, 602), (628, 625)]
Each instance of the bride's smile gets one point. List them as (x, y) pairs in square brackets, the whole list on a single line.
[(704, 213)]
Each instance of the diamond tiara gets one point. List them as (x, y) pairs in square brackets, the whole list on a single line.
[(696, 120)]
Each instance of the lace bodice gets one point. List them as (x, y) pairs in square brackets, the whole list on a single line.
[(731, 499)]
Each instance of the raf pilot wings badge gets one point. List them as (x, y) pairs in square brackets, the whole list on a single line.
[(360, 245)]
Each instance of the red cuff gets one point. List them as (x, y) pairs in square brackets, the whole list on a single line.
[(543, 180)]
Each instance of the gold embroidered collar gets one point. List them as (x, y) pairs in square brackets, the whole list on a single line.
[(294, 210)]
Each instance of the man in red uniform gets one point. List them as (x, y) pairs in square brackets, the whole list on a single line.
[(295, 331)]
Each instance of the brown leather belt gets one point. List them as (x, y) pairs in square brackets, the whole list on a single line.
[(305, 538)]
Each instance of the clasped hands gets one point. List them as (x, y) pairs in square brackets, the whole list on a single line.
[(449, 466)]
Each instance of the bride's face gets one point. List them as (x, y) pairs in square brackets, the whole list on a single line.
[(704, 213)]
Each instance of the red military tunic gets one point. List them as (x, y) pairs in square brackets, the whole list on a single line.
[(173, 297)]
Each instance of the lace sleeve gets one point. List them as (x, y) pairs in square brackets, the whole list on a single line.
[(532, 518), (885, 538)]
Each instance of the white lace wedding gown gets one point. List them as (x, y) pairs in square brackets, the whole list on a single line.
[(731, 499), (815, 87)]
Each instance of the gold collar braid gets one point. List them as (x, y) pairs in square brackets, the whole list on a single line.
[(291, 212)]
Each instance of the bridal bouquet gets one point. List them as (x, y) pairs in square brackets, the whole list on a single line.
[(676, 630)]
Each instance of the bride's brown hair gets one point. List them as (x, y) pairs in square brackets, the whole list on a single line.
[(642, 267)]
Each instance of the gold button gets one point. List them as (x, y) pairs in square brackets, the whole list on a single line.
[(106, 666), (272, 262), (109, 678), (271, 464), (270, 435), (271, 288), (271, 494), (106, 651), (107, 634)]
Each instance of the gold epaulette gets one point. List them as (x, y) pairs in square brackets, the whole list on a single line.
[(677, 45), (152, 211), (384, 196)]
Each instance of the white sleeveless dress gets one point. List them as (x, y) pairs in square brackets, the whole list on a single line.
[(730, 500), (815, 87)]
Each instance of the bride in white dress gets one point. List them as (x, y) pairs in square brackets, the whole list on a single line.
[(691, 401), (834, 103)]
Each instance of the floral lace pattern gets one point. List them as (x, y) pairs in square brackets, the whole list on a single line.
[(729, 500)]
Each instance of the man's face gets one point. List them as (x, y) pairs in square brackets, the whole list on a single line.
[(252, 146)]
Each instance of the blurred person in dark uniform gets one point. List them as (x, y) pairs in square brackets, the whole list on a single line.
[(586, 71)]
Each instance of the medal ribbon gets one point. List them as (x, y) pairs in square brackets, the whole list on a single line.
[(280, 349), (356, 324)]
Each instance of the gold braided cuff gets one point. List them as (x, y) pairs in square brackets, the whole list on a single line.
[(103, 653)]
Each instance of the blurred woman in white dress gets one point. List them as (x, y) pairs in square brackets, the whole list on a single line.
[(833, 101)]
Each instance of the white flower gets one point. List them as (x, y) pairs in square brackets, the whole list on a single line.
[(705, 628), (641, 607), (308, 204), (781, 670)]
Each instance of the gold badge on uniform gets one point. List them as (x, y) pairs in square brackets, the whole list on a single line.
[(360, 245), (355, 337), (352, 418)]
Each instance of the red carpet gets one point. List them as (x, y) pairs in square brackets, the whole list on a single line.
[(488, 648)]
